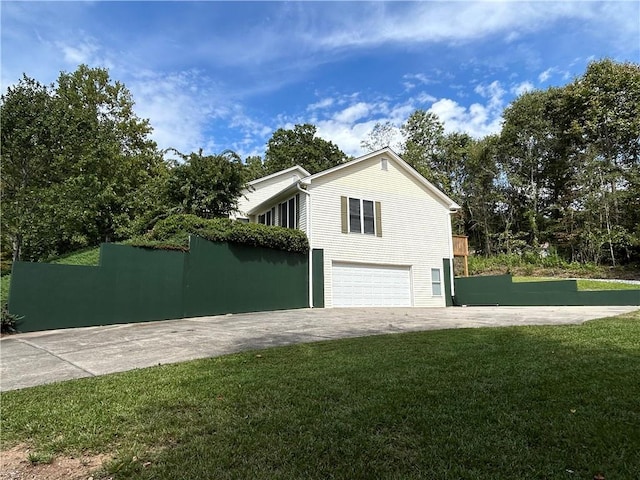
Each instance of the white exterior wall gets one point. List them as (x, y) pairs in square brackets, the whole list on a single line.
[(263, 190), (415, 226)]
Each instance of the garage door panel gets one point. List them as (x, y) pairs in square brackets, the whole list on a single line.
[(357, 285)]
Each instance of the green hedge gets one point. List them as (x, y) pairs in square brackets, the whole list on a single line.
[(172, 233)]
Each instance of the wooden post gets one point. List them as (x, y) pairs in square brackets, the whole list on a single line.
[(461, 249)]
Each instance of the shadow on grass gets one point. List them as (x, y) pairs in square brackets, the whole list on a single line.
[(523, 402)]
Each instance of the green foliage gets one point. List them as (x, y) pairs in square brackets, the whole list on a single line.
[(173, 233), (300, 146), (280, 238), (531, 263), (254, 168), (208, 186), (424, 136), (564, 170), (5, 284), (9, 321), (77, 164), (501, 403)]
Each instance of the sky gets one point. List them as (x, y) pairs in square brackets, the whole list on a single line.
[(225, 75)]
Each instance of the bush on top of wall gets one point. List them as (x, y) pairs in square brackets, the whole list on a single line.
[(172, 233)]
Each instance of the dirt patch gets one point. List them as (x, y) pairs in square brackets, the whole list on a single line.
[(15, 465)]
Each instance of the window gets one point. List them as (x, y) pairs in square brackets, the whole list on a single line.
[(289, 212), (383, 164), (436, 282), (361, 216), (268, 217), (354, 215)]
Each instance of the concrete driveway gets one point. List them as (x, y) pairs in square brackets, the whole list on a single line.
[(38, 358)]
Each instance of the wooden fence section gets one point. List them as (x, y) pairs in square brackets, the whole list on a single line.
[(461, 249)]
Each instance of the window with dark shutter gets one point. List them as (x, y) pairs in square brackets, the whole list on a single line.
[(354, 215), (361, 216)]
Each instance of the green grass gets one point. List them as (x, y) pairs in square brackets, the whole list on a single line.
[(5, 282), (89, 256), (504, 403), (530, 265), (583, 283)]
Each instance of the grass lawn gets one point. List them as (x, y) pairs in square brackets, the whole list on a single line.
[(583, 283), (502, 403)]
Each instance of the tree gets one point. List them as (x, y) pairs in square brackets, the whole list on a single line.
[(382, 135), (301, 146), (207, 185), (423, 144), (254, 168), (533, 161), (605, 109), (482, 197), (26, 159), (92, 156)]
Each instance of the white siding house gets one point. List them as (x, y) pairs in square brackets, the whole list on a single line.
[(384, 229), (263, 188)]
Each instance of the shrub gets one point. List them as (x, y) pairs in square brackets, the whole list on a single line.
[(9, 321), (173, 233)]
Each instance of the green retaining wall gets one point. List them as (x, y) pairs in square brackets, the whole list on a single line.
[(317, 259), (501, 290), (446, 263), (226, 277), (136, 285)]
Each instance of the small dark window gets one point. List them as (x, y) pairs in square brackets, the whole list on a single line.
[(354, 215), (292, 213), (368, 217), (283, 214), (288, 213)]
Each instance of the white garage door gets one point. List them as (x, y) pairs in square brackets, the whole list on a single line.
[(357, 285)]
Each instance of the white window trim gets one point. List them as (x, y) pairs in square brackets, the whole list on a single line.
[(296, 207), (436, 282), (271, 210), (361, 200)]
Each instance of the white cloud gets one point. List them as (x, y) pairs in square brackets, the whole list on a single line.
[(522, 87), (494, 92), (477, 120), (546, 75), (353, 113), (324, 103), (446, 21)]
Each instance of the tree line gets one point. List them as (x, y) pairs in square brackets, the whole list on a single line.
[(563, 175)]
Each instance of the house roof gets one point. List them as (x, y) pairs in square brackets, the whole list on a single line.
[(308, 180), (408, 168), (295, 168)]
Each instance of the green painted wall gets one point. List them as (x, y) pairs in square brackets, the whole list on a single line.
[(136, 284), (500, 290), (446, 264), (317, 258), (223, 278)]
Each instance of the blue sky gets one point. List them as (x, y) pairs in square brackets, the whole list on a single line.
[(226, 75)]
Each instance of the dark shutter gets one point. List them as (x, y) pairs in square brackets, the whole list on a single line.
[(344, 214)]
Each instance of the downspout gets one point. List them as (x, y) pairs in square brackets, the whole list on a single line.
[(308, 228), (453, 291)]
